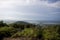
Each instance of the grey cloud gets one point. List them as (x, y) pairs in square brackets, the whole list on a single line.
[(50, 1), (41, 11)]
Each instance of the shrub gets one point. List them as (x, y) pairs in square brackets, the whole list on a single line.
[(7, 31), (50, 33), (28, 32)]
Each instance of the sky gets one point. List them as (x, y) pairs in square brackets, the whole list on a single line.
[(30, 10)]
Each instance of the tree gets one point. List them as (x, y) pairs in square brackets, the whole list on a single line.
[(2, 24)]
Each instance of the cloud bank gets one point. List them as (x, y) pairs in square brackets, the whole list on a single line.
[(29, 9)]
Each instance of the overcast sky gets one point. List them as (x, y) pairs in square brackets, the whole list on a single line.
[(29, 9)]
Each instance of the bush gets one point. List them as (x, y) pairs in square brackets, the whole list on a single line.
[(50, 33), (28, 32), (7, 31)]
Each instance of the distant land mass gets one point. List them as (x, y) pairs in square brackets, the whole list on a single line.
[(33, 21)]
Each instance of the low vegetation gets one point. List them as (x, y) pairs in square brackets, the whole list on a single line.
[(28, 30)]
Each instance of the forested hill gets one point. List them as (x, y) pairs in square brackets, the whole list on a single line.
[(21, 22)]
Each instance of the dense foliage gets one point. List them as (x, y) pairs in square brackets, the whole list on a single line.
[(23, 29), (28, 32), (6, 31)]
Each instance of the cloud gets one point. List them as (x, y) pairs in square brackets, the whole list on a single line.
[(50, 1), (29, 9), (13, 3), (39, 3)]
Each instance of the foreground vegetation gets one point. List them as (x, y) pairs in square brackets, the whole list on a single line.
[(28, 30)]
